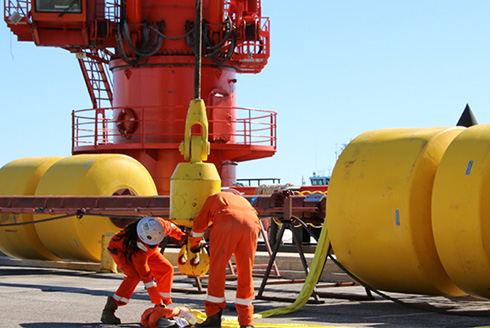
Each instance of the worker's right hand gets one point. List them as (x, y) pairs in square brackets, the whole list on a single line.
[(197, 248)]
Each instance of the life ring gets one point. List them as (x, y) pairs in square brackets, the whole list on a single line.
[(126, 122)]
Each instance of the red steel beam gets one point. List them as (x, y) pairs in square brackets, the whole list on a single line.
[(150, 205)]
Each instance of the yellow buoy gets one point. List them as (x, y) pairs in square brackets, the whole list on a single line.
[(461, 210), (192, 182), (190, 186), (92, 175), (379, 209), (20, 178)]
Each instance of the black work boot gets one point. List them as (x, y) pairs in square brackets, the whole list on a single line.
[(108, 315), (213, 321)]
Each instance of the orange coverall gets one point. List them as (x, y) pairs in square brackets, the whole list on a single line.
[(146, 264), (234, 228)]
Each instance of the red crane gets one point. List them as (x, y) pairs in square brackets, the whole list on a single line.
[(137, 59)]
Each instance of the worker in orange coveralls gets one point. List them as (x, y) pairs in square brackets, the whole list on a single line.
[(135, 252), (234, 228)]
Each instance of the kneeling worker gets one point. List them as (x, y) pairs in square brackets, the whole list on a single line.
[(135, 252)]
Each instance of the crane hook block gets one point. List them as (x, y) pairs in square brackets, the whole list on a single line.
[(192, 182), (196, 148)]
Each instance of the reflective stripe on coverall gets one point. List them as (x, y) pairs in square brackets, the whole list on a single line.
[(234, 228), (146, 264)]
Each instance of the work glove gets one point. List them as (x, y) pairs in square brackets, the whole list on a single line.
[(197, 248), (183, 240), (150, 317)]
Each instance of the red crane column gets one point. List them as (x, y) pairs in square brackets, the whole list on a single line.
[(152, 61)]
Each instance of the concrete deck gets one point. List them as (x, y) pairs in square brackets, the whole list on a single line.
[(45, 294)]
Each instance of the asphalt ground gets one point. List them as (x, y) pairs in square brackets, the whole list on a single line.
[(35, 297)]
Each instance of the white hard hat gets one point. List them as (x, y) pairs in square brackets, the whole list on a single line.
[(150, 230)]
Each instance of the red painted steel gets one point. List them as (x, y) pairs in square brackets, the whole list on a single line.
[(152, 62), (267, 206), (236, 134)]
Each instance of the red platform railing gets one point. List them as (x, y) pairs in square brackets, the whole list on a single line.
[(23, 7), (97, 129)]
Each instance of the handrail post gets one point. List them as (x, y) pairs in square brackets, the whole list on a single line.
[(72, 130), (96, 131), (250, 127)]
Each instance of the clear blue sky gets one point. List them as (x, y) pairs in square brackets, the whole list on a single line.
[(337, 69)]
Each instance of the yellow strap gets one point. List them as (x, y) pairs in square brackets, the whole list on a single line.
[(232, 322), (316, 269)]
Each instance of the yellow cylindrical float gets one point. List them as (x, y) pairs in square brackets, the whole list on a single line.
[(190, 186), (461, 210), (20, 178), (88, 175), (379, 209)]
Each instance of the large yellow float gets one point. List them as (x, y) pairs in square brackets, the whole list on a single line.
[(379, 209), (461, 210), (20, 178), (88, 175)]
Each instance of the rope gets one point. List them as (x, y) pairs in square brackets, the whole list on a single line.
[(38, 221), (278, 223), (79, 214), (307, 192)]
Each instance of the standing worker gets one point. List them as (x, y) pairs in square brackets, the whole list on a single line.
[(135, 252), (234, 229)]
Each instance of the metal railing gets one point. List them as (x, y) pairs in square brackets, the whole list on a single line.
[(101, 128), (96, 73), (254, 53), (113, 10), (22, 7)]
